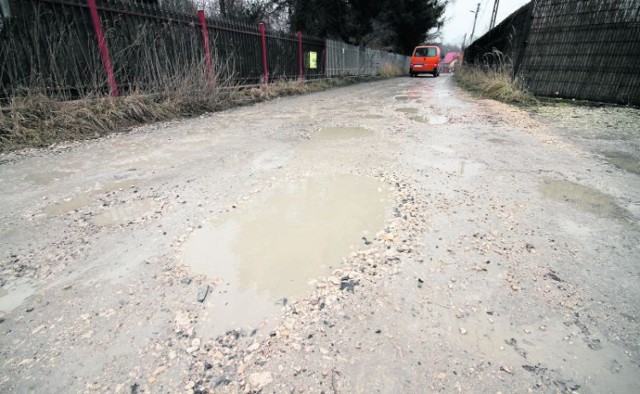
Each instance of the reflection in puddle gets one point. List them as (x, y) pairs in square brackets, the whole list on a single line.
[(122, 214), (272, 248), (407, 110), (624, 161), (582, 197), (333, 133), (12, 295)]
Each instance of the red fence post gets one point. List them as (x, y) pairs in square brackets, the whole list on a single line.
[(300, 59), (102, 44), (207, 51), (265, 65)]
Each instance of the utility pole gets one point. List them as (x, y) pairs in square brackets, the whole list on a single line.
[(494, 14), (475, 19), (464, 41)]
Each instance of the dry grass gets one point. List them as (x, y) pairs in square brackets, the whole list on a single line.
[(35, 120), (495, 82), (389, 70)]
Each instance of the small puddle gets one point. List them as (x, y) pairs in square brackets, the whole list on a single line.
[(373, 116), (46, 178), (582, 197), (12, 295), (624, 161), (498, 141), (335, 133), (437, 119), (407, 110), (67, 205), (82, 200), (123, 214), (271, 248), (401, 98)]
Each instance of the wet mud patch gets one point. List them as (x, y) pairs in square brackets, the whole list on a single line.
[(270, 249), (430, 119), (125, 213), (582, 197), (407, 110), (624, 161), (336, 133), (82, 200), (13, 294)]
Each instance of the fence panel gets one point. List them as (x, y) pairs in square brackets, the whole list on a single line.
[(509, 37), (585, 49)]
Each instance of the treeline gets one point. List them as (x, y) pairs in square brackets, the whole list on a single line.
[(393, 25)]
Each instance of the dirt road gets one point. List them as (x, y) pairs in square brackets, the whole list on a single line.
[(395, 236)]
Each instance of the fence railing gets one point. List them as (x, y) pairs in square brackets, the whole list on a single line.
[(73, 48)]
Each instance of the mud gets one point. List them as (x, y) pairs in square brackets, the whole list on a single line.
[(329, 243)]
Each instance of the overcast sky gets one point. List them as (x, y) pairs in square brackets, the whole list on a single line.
[(459, 18)]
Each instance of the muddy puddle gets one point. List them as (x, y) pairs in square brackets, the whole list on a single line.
[(125, 213), (430, 119), (82, 200), (334, 133), (12, 295), (271, 248), (407, 110), (584, 198), (401, 98), (624, 161), (47, 178), (373, 116), (498, 141)]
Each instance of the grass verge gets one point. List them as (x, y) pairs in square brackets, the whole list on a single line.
[(494, 83), (35, 120)]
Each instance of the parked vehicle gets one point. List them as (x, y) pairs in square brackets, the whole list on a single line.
[(425, 60)]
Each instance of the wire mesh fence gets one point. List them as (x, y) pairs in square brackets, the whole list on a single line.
[(585, 49), (54, 46), (582, 49)]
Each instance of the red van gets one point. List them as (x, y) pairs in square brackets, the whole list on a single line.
[(425, 60)]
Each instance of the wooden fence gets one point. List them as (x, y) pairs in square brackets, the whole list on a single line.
[(582, 49)]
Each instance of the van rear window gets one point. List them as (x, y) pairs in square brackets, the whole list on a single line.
[(425, 52)]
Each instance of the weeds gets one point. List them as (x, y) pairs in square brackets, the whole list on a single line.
[(389, 70), (495, 82)]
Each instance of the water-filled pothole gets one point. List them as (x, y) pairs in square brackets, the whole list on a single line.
[(430, 119), (582, 197), (334, 133), (122, 214), (407, 110), (12, 295), (271, 248), (624, 161)]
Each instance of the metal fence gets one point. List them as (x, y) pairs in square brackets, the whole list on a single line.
[(582, 49), (585, 49), (509, 38), (345, 59), (72, 48)]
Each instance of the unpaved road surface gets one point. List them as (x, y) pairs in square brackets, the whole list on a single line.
[(395, 236)]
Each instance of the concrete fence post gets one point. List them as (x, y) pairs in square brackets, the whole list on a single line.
[(300, 57)]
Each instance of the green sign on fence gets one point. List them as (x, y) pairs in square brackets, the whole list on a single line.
[(312, 60)]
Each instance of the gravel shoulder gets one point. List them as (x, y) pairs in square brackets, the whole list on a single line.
[(507, 261)]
